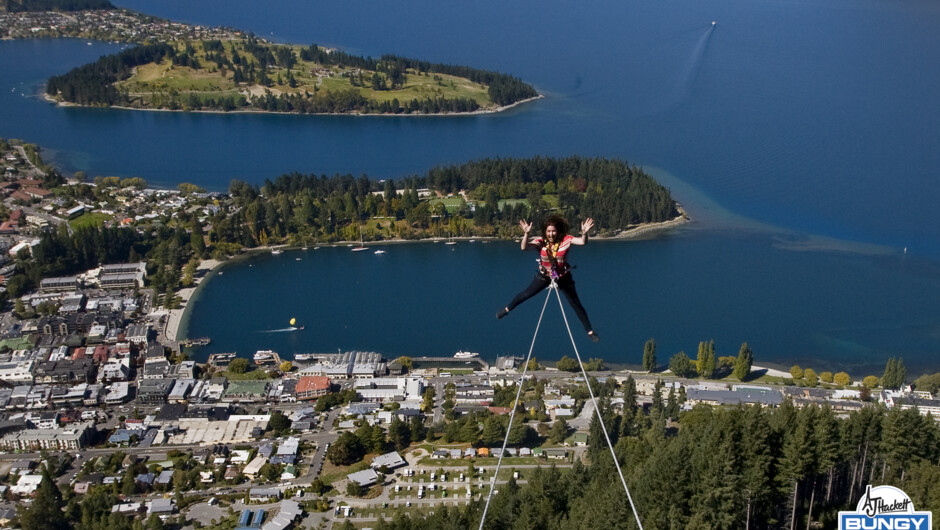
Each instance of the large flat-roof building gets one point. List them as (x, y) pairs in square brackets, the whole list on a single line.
[(154, 391), (74, 437), (122, 275), (59, 284), (17, 372), (351, 364)]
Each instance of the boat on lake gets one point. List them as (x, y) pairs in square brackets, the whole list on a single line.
[(265, 357), (362, 245), (466, 355)]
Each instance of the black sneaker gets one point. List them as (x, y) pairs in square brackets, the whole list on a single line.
[(594, 336), (502, 312)]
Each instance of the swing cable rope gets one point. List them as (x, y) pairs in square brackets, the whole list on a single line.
[(512, 414), (597, 409)]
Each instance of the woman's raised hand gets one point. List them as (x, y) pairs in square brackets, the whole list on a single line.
[(587, 225), (526, 227)]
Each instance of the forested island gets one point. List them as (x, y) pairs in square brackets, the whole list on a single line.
[(253, 75)]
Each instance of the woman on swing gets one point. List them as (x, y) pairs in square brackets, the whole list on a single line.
[(553, 265)]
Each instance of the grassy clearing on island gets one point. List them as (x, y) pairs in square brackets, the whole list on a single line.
[(154, 84)]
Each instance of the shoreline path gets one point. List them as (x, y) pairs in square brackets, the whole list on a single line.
[(175, 316)]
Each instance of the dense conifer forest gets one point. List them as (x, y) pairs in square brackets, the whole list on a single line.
[(93, 84), (716, 468)]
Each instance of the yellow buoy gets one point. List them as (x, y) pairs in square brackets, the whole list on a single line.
[(293, 321)]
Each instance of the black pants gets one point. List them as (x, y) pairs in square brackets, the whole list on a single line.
[(566, 284)]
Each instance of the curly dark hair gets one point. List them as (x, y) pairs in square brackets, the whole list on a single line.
[(560, 224)]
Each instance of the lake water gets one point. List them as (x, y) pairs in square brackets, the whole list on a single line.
[(786, 125)]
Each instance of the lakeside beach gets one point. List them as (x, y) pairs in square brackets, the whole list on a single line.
[(175, 316)]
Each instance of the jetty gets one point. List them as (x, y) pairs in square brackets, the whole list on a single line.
[(201, 341)]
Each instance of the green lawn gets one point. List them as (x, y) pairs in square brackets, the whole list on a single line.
[(89, 219), (208, 81), (332, 473)]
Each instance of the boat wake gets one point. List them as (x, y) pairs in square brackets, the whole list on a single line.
[(687, 75), (283, 330)]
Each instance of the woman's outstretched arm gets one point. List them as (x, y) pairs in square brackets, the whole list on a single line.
[(526, 228), (586, 226)]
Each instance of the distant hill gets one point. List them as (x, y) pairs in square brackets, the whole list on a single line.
[(19, 6)]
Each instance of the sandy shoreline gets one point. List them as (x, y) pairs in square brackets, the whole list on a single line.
[(50, 99), (651, 229), (175, 316)]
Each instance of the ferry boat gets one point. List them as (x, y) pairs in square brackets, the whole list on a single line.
[(466, 355), (221, 358), (304, 357), (264, 356)]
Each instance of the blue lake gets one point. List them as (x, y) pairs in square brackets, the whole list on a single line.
[(785, 122)]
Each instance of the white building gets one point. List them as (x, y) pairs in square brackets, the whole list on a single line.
[(384, 389), (17, 372)]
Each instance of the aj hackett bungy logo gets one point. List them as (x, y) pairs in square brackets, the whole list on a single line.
[(885, 508)]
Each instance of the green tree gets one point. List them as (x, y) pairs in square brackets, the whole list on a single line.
[(353, 489), (558, 432), (809, 375), (895, 374), (681, 365), (842, 379), (567, 364), (870, 381), (706, 359), (826, 377), (418, 430), (427, 405), (928, 382), (406, 362), (649, 355), (594, 365), (239, 365), (520, 434), (286, 366), (796, 372), (743, 363), (399, 434), (45, 512), (271, 472), (279, 423), (346, 450), (493, 432), (630, 407)]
